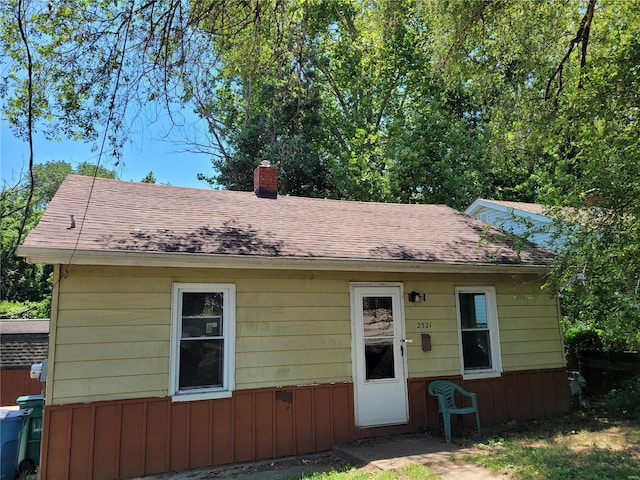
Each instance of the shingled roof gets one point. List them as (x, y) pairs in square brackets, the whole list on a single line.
[(116, 219), (23, 342)]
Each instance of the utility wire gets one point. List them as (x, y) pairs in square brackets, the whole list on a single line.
[(110, 118)]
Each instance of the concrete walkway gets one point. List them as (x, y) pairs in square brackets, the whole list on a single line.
[(395, 452), (377, 454)]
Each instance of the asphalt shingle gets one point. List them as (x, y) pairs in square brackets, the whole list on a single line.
[(113, 215)]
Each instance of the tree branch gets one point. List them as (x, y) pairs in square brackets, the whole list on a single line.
[(582, 35), (477, 13), (25, 41)]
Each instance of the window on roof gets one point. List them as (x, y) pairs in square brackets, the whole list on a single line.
[(202, 341), (478, 334)]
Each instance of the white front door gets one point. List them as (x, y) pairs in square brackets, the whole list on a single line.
[(379, 366)]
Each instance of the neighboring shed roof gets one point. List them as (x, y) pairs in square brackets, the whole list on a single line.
[(26, 325), (114, 218), (23, 342)]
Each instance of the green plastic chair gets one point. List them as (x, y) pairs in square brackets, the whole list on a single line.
[(445, 392)]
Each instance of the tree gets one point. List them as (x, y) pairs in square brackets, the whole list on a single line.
[(20, 280), (149, 178), (26, 284), (342, 102), (429, 101), (47, 178), (558, 86)]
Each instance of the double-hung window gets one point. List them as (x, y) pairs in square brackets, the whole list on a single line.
[(478, 333), (202, 341)]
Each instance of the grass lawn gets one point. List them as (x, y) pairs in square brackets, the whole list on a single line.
[(578, 446), (575, 447), (410, 472), (600, 443)]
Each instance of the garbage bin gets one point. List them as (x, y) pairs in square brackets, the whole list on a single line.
[(11, 423), (29, 456)]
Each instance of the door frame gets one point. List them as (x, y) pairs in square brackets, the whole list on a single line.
[(399, 346)]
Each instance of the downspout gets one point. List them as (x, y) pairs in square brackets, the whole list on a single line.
[(51, 355), (53, 324), (564, 356)]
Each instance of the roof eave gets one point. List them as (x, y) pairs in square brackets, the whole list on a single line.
[(39, 255), (479, 204)]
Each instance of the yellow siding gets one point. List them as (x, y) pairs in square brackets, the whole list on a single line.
[(528, 319), (114, 325), (107, 351)]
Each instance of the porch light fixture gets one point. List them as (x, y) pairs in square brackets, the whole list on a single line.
[(416, 297)]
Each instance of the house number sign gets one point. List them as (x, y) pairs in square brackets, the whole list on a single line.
[(423, 325)]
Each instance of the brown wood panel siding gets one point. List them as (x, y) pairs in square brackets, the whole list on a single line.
[(223, 432), (129, 438), (284, 422), (57, 453), (200, 434), (322, 416), (264, 425), (132, 453), (106, 450), (156, 439), (522, 395), (82, 441), (244, 437), (303, 417), (179, 451), (15, 383)]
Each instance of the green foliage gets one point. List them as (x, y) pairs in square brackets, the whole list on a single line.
[(21, 281), (149, 178), (558, 87), (41, 309), (590, 447), (47, 178), (92, 170), (623, 401), (409, 472), (561, 463), (416, 101), (578, 337), (345, 103), (29, 286)]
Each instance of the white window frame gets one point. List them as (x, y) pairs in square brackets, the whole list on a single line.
[(228, 333), (494, 332)]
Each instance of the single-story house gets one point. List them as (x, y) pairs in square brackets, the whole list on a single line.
[(22, 343), (532, 221), (194, 327)]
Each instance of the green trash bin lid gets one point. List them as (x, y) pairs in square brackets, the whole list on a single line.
[(30, 401)]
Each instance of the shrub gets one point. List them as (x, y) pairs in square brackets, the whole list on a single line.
[(9, 309), (623, 401), (579, 337)]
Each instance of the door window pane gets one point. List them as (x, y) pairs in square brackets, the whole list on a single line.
[(379, 359), (377, 315)]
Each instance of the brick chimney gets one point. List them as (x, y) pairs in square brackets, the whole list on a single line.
[(265, 180)]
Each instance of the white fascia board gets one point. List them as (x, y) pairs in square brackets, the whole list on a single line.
[(49, 256), (477, 205), (480, 203)]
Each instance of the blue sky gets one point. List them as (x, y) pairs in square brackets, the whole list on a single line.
[(154, 147)]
